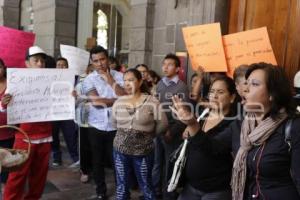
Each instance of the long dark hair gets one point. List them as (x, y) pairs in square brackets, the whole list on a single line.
[(154, 75), (230, 85), (4, 66), (144, 88), (278, 86)]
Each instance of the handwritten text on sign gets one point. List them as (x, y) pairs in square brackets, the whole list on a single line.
[(40, 95), (13, 46), (78, 59), (205, 47), (248, 47)]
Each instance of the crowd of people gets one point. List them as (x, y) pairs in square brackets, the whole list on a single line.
[(243, 132)]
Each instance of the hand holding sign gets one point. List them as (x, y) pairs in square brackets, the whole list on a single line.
[(40, 95)]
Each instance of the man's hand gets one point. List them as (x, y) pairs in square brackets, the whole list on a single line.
[(107, 76), (6, 99), (111, 81), (74, 94)]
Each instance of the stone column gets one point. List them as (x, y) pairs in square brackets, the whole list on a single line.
[(141, 32), (85, 22), (44, 24), (10, 13), (54, 24), (66, 23), (1, 12)]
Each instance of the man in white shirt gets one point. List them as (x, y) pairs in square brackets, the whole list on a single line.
[(102, 87)]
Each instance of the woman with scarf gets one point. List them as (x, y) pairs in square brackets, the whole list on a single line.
[(265, 165)]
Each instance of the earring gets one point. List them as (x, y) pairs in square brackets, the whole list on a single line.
[(271, 98)]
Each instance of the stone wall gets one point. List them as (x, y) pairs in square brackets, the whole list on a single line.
[(54, 21), (10, 13), (66, 23), (44, 24), (54, 24), (169, 21), (156, 27), (141, 32), (1, 12)]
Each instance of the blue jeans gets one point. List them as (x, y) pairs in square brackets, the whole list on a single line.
[(142, 166)]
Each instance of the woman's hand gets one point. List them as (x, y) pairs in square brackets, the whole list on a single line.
[(181, 111), (185, 134), (200, 72)]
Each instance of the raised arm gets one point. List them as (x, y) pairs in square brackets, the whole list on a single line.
[(115, 84)]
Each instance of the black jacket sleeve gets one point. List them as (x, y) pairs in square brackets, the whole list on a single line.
[(295, 152)]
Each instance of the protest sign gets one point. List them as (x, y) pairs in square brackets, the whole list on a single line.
[(40, 95), (78, 59), (248, 47), (205, 47), (13, 46)]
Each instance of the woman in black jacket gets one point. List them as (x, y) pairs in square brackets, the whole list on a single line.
[(208, 172), (265, 166)]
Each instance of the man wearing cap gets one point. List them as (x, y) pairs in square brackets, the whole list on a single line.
[(36, 167)]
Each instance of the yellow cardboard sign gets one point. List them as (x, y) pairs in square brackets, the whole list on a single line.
[(248, 47), (205, 47)]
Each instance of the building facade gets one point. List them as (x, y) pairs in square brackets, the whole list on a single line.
[(144, 31), (138, 31)]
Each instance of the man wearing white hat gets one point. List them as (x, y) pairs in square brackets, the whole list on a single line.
[(40, 134)]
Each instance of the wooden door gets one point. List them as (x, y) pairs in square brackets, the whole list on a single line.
[(282, 18)]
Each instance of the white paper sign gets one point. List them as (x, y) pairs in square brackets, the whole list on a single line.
[(40, 95), (78, 59)]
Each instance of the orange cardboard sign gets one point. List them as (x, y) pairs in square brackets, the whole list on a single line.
[(205, 47), (248, 47)]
